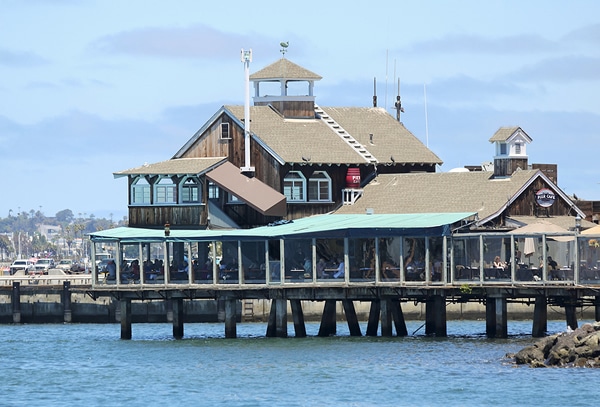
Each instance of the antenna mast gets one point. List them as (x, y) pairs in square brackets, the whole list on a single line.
[(374, 92), (246, 57), (398, 104)]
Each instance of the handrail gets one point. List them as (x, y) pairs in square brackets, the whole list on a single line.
[(75, 279)]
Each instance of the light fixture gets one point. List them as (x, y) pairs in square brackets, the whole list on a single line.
[(167, 229), (577, 223)]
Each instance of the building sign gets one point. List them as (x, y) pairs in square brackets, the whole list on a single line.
[(545, 197)]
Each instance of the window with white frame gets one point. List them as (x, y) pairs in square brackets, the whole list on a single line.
[(294, 187), (190, 190), (164, 191), (140, 191), (319, 187), (517, 148), (213, 190), (225, 131)]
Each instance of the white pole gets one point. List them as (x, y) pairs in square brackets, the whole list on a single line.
[(246, 59)]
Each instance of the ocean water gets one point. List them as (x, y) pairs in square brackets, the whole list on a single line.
[(88, 365)]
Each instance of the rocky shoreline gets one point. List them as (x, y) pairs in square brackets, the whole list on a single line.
[(574, 348)]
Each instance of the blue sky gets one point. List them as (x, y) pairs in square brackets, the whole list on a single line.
[(88, 88)]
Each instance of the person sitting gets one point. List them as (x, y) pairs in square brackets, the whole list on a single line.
[(321, 268), (554, 273), (111, 269), (340, 270)]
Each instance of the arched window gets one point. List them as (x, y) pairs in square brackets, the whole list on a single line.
[(190, 190), (140, 191), (319, 187), (294, 187), (164, 191)]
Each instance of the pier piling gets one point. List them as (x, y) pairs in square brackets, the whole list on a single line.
[(16, 302), (435, 316), (66, 301), (177, 318), (125, 305), (496, 317), (540, 317)]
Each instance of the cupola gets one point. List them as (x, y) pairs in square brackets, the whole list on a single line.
[(287, 87), (511, 150)]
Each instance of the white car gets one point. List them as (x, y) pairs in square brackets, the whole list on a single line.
[(43, 265), (65, 265), (25, 265)]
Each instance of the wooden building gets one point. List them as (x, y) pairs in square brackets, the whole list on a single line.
[(299, 159)]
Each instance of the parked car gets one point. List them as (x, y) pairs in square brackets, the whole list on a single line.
[(25, 265), (65, 265), (78, 267), (43, 265)]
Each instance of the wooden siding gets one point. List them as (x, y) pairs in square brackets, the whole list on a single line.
[(175, 215), (505, 167), (549, 170), (292, 109), (525, 204)]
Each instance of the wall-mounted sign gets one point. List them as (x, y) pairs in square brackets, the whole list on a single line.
[(545, 197)]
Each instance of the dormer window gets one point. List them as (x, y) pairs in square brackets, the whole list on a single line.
[(294, 187), (164, 191), (319, 187), (140, 191), (225, 131), (190, 190)]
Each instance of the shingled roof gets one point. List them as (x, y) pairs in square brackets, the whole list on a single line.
[(178, 166), (504, 133), (476, 191), (284, 69), (293, 139)]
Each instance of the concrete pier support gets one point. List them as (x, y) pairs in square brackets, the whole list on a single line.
[(177, 309), (66, 301), (351, 317), (328, 321), (435, 316), (398, 317), (277, 325), (597, 308), (540, 317), (298, 317), (230, 318), (373, 323), (125, 306), (16, 302), (386, 318), (571, 315), (169, 309), (496, 317)]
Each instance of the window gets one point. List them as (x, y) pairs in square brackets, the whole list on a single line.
[(140, 192), (319, 187), (213, 190), (294, 186), (517, 148), (190, 190), (502, 148), (225, 131), (164, 191)]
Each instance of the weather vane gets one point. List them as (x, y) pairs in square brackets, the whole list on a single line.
[(284, 46)]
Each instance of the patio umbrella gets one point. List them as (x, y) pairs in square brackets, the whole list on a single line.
[(529, 247), (592, 231), (542, 228)]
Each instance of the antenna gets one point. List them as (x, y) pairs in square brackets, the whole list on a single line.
[(386, 77), (374, 92), (398, 104), (426, 121)]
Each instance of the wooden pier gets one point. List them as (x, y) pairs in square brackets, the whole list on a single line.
[(385, 310)]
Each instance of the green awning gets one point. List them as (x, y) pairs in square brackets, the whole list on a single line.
[(321, 226)]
